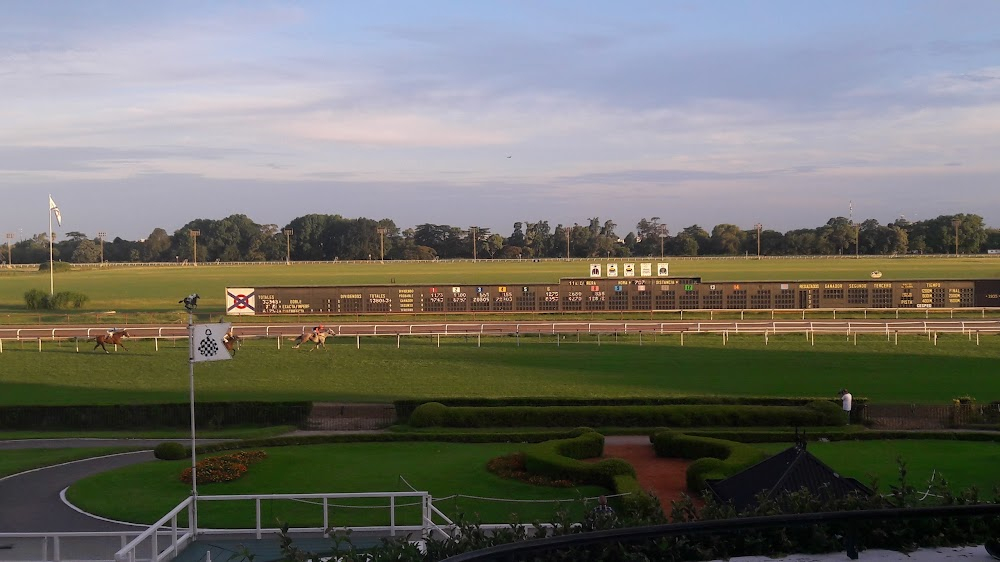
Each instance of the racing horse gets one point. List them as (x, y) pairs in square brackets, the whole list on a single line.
[(232, 343), (318, 338), (114, 338)]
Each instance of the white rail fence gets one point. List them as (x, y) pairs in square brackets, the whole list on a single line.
[(167, 538), (810, 328)]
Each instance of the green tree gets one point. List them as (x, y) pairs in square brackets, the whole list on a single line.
[(86, 252), (728, 239)]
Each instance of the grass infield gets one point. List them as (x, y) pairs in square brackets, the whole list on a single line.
[(443, 469), (13, 461), (915, 370), (138, 290), (961, 464)]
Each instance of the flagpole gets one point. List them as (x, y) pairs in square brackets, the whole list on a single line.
[(52, 281), (194, 464)]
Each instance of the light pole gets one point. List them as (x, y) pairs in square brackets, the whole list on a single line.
[(473, 231), (288, 245), (955, 222), (857, 238), (567, 243), (662, 234), (381, 241), (101, 234), (758, 226), (10, 255), (194, 241)]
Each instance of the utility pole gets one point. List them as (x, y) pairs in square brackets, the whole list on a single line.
[(473, 231), (10, 255), (381, 237), (101, 234), (288, 245), (194, 240), (758, 226), (567, 243), (662, 234)]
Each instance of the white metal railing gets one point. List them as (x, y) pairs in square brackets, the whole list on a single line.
[(166, 539), (65, 546), (519, 329), (179, 536)]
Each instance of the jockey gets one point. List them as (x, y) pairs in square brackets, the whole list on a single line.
[(111, 331), (317, 330)]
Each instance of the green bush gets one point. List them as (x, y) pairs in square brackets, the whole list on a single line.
[(405, 408), (293, 440), (435, 414), (34, 299), (431, 414), (170, 451), (57, 266), (559, 460), (830, 413), (716, 458)]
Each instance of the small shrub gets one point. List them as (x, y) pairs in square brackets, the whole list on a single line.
[(34, 299), (57, 267), (170, 451), (431, 414)]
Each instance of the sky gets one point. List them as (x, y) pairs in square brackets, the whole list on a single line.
[(138, 115)]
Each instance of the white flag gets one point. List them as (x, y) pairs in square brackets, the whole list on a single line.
[(208, 344), (55, 209)]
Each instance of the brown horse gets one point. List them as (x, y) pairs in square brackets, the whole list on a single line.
[(232, 343), (114, 338), (317, 338)]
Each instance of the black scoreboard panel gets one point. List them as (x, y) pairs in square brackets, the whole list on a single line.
[(626, 294)]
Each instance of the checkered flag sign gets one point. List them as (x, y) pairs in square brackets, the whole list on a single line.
[(208, 345)]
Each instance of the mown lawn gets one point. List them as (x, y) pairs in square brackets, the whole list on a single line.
[(148, 289), (962, 464), (14, 461), (915, 370), (451, 472)]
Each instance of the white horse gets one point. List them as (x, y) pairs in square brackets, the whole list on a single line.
[(317, 338)]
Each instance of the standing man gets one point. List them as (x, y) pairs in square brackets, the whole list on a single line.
[(846, 399)]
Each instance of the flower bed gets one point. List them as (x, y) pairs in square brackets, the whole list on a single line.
[(511, 467), (225, 468)]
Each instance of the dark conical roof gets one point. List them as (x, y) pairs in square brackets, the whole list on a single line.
[(788, 471)]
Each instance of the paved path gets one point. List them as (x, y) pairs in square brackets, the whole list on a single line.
[(30, 501)]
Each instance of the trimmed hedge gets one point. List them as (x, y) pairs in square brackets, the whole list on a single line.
[(208, 415), (788, 436), (293, 440), (559, 459), (405, 408), (170, 451), (435, 414), (717, 458)]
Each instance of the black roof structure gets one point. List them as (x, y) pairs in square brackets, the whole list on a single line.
[(788, 471)]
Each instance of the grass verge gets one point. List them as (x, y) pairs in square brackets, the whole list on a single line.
[(443, 469)]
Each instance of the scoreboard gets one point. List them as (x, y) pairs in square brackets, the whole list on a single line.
[(613, 294)]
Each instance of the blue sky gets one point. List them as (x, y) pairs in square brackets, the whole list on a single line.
[(136, 115)]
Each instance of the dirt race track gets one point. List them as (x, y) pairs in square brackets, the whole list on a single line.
[(855, 326)]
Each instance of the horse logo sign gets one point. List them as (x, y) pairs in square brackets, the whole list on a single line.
[(207, 342)]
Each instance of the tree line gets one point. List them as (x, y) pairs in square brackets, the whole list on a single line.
[(333, 237)]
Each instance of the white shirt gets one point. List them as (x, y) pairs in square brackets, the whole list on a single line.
[(847, 401)]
